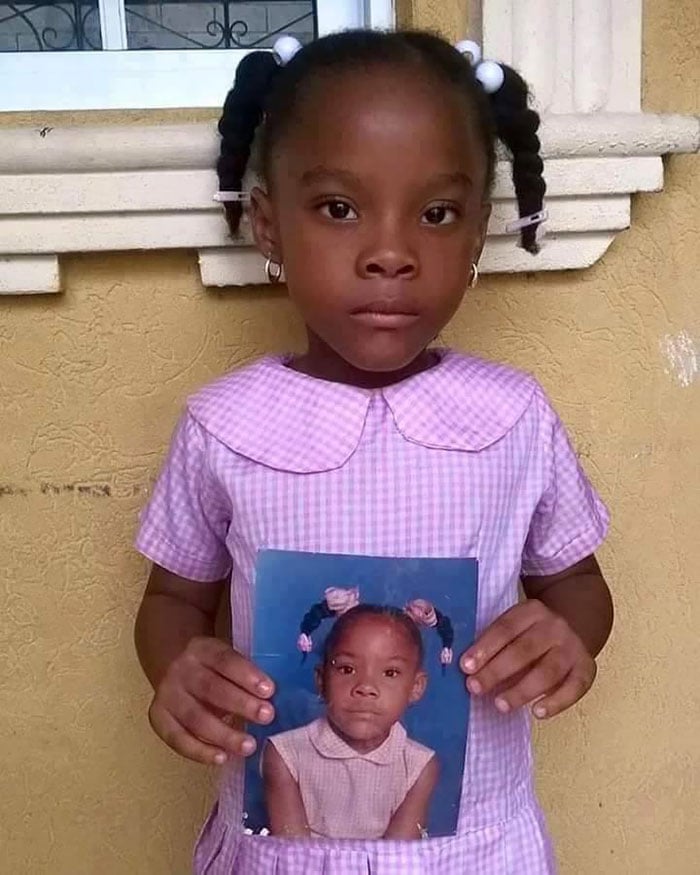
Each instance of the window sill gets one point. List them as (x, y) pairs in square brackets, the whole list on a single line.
[(98, 189)]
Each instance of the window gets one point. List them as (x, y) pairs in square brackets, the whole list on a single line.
[(121, 54)]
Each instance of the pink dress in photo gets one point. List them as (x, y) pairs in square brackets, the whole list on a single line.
[(466, 459), (348, 795)]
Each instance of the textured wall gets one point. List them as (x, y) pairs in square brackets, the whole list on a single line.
[(90, 384)]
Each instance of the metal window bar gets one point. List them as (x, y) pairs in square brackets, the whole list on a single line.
[(75, 36), (114, 31), (232, 31)]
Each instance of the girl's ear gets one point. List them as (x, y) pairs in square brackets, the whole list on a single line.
[(483, 230), (420, 682), (318, 678), (264, 227)]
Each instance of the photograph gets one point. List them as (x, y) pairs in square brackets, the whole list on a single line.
[(372, 712)]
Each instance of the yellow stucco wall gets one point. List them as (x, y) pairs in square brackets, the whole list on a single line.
[(90, 384)]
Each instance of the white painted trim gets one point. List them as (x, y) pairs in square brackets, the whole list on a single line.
[(579, 56), (140, 188), (380, 14), (343, 14), (29, 275), (188, 190), (195, 146), (113, 25), (338, 14), (189, 229), (115, 79)]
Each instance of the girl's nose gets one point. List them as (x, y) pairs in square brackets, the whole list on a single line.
[(388, 257), (389, 264), (365, 689)]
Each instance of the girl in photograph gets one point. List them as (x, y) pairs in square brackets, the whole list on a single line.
[(354, 773)]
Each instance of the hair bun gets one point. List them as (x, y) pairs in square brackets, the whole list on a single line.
[(491, 75), (471, 50), (285, 48)]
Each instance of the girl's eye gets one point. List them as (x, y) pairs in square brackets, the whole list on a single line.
[(440, 214), (392, 672), (339, 210), (345, 669)]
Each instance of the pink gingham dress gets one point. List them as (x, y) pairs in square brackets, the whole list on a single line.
[(466, 459), (346, 793)]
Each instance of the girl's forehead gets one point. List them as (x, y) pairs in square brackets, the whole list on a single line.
[(358, 116), (376, 627)]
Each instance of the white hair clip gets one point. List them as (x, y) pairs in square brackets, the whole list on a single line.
[(471, 50), (231, 196), (489, 73), (285, 48), (491, 76), (533, 219)]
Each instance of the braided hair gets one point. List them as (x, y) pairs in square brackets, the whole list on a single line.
[(266, 97), (385, 611), (344, 606)]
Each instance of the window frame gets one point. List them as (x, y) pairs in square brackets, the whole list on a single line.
[(114, 78)]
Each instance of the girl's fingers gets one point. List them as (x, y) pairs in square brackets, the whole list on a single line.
[(194, 717), (515, 658), (500, 633), (574, 687), (223, 659), (183, 742), (544, 676), (210, 687)]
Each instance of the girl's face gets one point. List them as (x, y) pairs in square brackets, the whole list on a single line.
[(376, 209), (370, 678)]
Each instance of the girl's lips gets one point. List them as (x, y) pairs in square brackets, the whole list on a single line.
[(380, 319)]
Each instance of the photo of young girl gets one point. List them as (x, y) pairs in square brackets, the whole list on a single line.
[(371, 670), (367, 759)]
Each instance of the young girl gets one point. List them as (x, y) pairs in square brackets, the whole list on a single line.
[(378, 154), (354, 773)]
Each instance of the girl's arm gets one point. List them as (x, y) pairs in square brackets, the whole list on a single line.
[(199, 680), (173, 611), (543, 650), (411, 816), (285, 807), (581, 597)]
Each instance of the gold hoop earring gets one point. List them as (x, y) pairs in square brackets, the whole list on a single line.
[(474, 278), (273, 271)]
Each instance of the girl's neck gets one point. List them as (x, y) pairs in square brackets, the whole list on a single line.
[(359, 746), (323, 363)]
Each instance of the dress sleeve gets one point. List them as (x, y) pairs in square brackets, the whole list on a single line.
[(284, 744), (570, 521), (418, 758), (184, 525)]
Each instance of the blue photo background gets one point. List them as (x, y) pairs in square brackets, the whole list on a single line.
[(289, 583)]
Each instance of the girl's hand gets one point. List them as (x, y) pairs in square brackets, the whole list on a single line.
[(529, 655), (203, 688)]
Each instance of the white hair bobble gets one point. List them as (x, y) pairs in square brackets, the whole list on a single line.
[(285, 48), (489, 73), (491, 76), (470, 48)]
